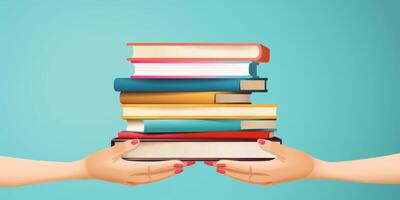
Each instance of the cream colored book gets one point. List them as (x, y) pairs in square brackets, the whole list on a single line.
[(197, 150), (199, 111), (183, 52)]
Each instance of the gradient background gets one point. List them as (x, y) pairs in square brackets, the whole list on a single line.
[(334, 71)]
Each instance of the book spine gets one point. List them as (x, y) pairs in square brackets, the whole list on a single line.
[(181, 85), (168, 97), (264, 53), (233, 135), (154, 126), (190, 77), (117, 140)]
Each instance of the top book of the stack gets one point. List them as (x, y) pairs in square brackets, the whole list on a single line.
[(198, 52)]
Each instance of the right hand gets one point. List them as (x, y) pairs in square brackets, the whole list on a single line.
[(107, 165), (289, 164)]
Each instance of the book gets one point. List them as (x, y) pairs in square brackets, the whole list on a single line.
[(190, 85), (198, 135), (198, 52), (199, 111), (197, 125), (197, 150), (183, 97), (196, 70)]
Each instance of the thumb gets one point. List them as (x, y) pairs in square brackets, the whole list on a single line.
[(275, 148), (124, 147)]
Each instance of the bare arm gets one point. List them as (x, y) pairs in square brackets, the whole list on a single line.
[(385, 169), (16, 172), (292, 164), (106, 165)]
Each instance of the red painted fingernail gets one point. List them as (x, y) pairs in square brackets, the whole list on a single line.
[(221, 165), (135, 141), (189, 163), (178, 171), (178, 165), (210, 163), (221, 171), (261, 141)]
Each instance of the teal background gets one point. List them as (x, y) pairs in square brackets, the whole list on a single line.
[(334, 71)]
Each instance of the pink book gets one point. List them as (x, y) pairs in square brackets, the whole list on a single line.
[(198, 52), (180, 77)]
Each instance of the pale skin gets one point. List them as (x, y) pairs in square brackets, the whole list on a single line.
[(106, 165), (292, 164)]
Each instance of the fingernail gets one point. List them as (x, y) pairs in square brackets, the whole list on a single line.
[(221, 171), (261, 141), (221, 165), (189, 163), (135, 141), (210, 163), (178, 171), (178, 165)]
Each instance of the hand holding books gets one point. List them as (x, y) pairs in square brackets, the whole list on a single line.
[(289, 164), (189, 101), (108, 165)]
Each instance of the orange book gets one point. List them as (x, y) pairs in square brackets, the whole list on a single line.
[(198, 52), (183, 97)]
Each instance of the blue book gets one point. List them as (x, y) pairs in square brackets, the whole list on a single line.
[(192, 85), (166, 126)]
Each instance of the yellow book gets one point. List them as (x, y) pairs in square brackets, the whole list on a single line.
[(183, 97), (199, 111)]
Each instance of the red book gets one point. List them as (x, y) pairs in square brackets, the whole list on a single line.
[(241, 135), (198, 52)]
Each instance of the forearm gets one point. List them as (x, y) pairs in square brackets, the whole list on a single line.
[(385, 170), (18, 172)]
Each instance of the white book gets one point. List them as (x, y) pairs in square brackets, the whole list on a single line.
[(193, 70), (199, 150), (199, 111)]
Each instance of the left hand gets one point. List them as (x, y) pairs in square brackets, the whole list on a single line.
[(108, 165)]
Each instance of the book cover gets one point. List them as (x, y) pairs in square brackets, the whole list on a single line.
[(183, 97), (190, 85), (197, 150), (240, 135), (196, 70), (199, 111), (198, 52), (197, 125)]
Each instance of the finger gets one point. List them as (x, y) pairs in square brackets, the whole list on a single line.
[(142, 179), (239, 166), (255, 179), (275, 148), (189, 163), (210, 163), (252, 168), (157, 167), (235, 175), (123, 147)]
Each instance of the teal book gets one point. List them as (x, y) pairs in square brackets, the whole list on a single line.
[(190, 85), (168, 126)]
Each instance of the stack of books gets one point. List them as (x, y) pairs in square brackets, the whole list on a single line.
[(191, 101)]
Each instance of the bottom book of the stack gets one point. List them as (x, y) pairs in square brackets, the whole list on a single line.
[(197, 149)]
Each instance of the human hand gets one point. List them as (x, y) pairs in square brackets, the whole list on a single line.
[(289, 164), (107, 165)]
